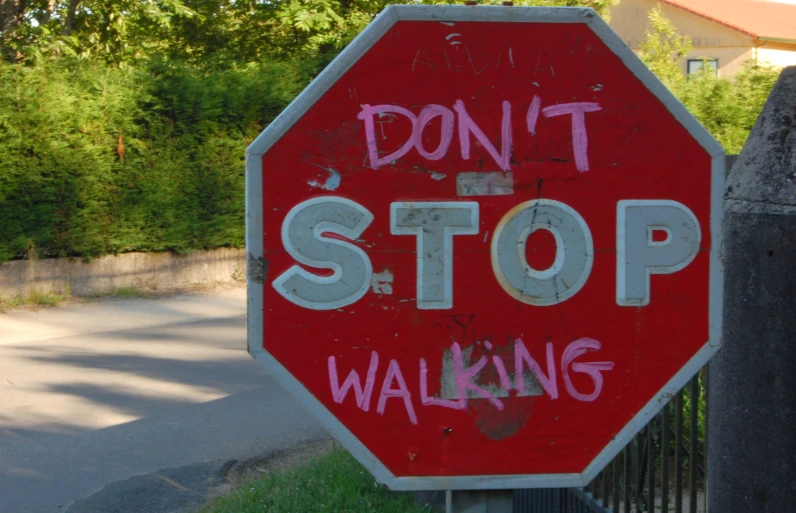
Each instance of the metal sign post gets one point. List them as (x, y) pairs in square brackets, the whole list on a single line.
[(483, 247), (479, 501)]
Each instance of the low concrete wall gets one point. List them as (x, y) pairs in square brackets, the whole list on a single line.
[(161, 271)]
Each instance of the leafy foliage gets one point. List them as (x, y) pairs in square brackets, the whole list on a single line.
[(663, 48), (333, 483), (123, 123), (115, 30), (727, 107), (97, 159), (125, 31)]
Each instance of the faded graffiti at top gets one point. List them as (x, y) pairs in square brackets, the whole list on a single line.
[(461, 55)]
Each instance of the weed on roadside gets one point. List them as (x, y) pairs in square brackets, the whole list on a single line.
[(34, 299), (334, 483)]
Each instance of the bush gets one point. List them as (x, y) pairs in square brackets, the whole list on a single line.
[(97, 159), (334, 483), (726, 107)]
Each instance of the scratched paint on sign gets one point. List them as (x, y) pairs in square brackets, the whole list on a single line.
[(494, 183), (381, 283)]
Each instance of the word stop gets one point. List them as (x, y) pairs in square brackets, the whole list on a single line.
[(435, 225)]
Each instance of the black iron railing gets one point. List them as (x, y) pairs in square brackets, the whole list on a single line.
[(662, 470)]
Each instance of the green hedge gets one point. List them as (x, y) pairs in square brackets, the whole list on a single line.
[(97, 159)]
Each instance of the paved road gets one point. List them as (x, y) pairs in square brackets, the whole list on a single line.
[(102, 397)]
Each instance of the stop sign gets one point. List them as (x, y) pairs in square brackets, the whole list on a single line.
[(483, 246)]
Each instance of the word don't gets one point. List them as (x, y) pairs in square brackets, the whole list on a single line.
[(468, 127)]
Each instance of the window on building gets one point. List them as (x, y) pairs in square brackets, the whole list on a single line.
[(693, 66)]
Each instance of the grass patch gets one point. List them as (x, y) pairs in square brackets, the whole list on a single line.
[(120, 293), (49, 299), (14, 302), (335, 483), (131, 292), (35, 298)]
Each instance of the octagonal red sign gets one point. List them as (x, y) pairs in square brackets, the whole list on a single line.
[(483, 246)]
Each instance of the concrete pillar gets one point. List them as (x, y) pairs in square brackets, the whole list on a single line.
[(752, 402)]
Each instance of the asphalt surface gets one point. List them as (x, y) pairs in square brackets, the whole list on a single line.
[(133, 405)]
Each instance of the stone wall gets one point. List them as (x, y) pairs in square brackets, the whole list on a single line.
[(161, 271)]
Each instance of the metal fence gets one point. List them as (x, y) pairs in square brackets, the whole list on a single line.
[(556, 500), (662, 470)]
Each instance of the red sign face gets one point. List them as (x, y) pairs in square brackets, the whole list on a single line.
[(489, 247)]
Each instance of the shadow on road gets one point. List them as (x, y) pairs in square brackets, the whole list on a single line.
[(83, 412)]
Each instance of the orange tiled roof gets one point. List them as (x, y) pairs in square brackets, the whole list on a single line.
[(755, 18)]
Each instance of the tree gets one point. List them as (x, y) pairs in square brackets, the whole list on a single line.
[(121, 31), (114, 30), (727, 107), (663, 48), (328, 25)]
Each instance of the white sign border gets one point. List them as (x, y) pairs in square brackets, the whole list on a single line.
[(257, 267)]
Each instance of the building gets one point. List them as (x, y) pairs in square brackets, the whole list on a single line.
[(725, 32)]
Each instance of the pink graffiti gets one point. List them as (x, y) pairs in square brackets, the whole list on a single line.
[(467, 126), (428, 113), (592, 369), (505, 382), (366, 115), (352, 381), (468, 129), (533, 114), (426, 400), (394, 373), (580, 140), (548, 382), (464, 375)]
